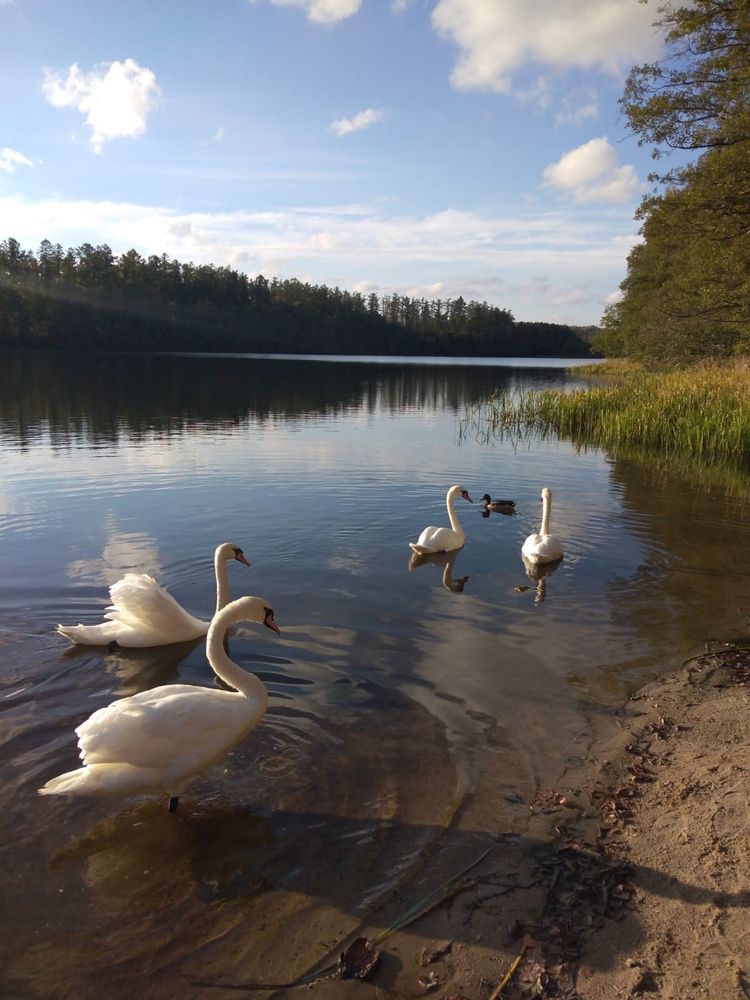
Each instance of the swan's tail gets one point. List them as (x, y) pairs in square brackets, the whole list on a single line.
[(104, 779), (90, 635), (421, 550)]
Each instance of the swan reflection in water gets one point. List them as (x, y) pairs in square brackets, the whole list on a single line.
[(538, 573), (138, 669), (444, 559)]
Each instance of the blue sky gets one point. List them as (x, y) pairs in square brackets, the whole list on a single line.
[(426, 147)]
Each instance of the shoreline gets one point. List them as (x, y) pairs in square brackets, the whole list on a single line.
[(630, 879)]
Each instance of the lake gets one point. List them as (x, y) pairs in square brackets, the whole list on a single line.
[(415, 711)]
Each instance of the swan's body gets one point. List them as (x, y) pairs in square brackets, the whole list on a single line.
[(158, 740), (499, 506), (543, 547), (435, 539), (143, 613)]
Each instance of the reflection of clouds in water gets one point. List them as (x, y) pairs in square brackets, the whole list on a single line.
[(352, 562), (124, 552), (8, 504)]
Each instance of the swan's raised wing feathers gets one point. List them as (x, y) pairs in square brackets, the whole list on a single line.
[(139, 602)]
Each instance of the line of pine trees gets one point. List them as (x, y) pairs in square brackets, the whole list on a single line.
[(92, 299)]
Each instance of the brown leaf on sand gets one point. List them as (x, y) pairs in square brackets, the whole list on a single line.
[(358, 960), (430, 955)]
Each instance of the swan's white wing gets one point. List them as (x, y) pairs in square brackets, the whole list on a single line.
[(542, 548), (140, 603), (438, 539), (156, 727)]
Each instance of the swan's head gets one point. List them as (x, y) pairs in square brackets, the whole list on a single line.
[(546, 495), (228, 550), (459, 491), (250, 609)]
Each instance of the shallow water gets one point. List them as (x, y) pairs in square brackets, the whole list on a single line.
[(410, 706)]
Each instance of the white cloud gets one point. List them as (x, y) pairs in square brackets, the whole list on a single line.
[(362, 119), (10, 159), (323, 11), (577, 107), (527, 262), (591, 173), (497, 37), (116, 97)]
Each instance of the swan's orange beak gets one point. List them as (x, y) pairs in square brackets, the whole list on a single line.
[(465, 495), (240, 557)]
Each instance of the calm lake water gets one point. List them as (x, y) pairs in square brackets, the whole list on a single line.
[(414, 711)]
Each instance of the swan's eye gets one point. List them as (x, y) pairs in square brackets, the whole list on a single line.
[(238, 553)]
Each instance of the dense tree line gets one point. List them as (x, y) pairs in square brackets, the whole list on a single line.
[(89, 298), (686, 295)]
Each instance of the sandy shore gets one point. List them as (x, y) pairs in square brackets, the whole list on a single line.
[(630, 879)]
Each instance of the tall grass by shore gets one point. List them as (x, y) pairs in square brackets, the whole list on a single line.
[(704, 412)]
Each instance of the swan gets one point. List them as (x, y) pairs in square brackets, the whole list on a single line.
[(435, 539), (158, 740), (144, 614), (543, 547), (499, 506)]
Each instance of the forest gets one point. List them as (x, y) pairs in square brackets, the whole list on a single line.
[(686, 295), (88, 298)]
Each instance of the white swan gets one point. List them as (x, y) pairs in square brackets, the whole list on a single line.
[(435, 539), (543, 547), (158, 740), (143, 614)]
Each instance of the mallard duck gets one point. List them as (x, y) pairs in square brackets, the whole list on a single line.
[(499, 506)]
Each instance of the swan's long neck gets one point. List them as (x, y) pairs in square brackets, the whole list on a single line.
[(246, 683), (222, 581), (450, 502), (546, 508)]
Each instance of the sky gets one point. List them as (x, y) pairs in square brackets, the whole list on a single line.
[(432, 148)]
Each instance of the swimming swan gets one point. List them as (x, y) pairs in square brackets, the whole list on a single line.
[(435, 539), (158, 740), (543, 547), (144, 614)]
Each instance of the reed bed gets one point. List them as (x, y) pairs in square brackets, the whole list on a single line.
[(703, 412)]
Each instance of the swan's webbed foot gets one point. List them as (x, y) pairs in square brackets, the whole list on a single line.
[(174, 801)]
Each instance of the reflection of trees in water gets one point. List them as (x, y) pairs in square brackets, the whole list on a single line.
[(99, 398), (693, 582)]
